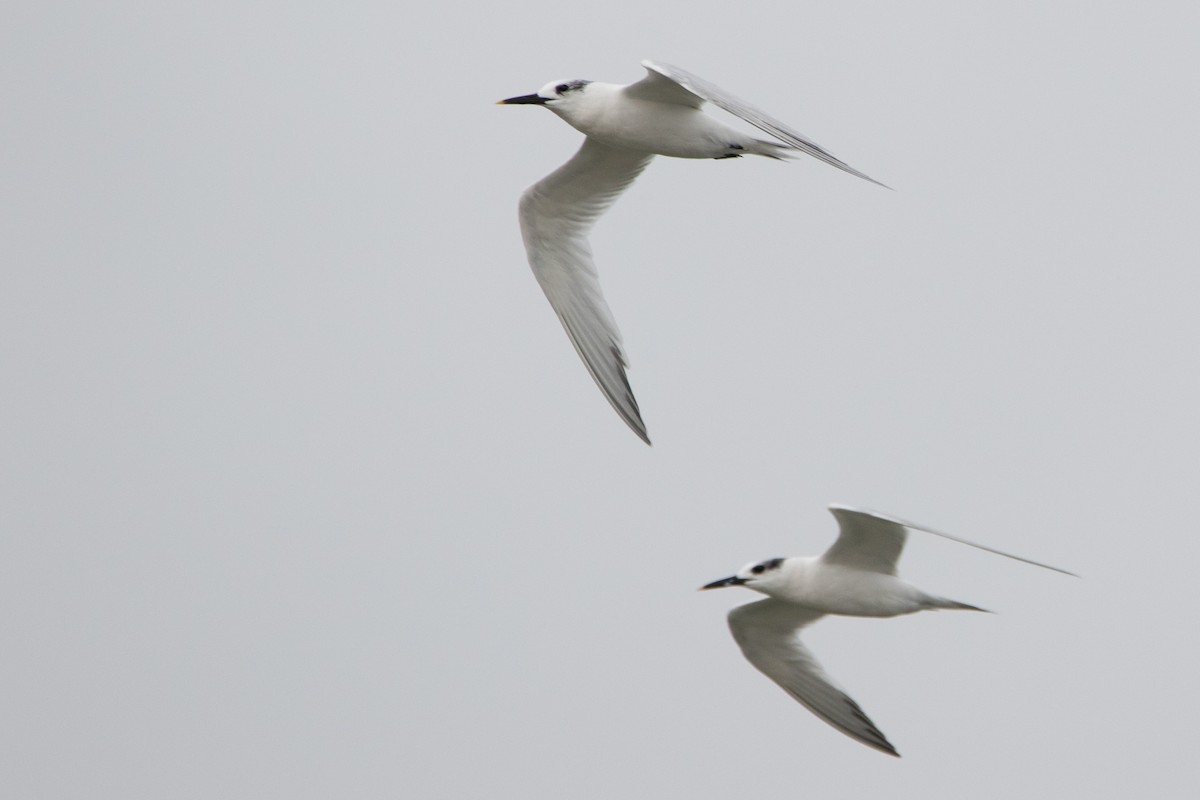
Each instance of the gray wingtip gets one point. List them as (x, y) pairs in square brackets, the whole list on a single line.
[(645, 437), (632, 416)]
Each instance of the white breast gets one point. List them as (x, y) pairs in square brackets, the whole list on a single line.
[(833, 589), (607, 115)]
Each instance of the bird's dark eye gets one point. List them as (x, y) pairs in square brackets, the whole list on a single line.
[(758, 569), (562, 87)]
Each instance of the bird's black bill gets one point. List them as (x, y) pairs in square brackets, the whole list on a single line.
[(525, 99), (734, 581)]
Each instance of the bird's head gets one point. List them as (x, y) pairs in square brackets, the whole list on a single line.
[(558, 96), (761, 576)]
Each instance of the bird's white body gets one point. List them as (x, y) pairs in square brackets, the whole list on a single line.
[(855, 577), (626, 126), (607, 113), (835, 589)]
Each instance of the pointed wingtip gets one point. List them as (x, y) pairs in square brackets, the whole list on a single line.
[(884, 746), (864, 176), (632, 416)]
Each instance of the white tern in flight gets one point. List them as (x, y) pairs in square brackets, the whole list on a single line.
[(855, 577), (626, 126)]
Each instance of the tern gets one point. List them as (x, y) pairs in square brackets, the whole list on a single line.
[(625, 126), (855, 577)]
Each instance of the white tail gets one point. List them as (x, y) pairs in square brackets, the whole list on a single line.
[(954, 605)]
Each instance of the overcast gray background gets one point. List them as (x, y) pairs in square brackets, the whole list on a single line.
[(306, 494)]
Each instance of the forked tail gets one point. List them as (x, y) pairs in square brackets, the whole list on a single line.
[(761, 147), (954, 605)]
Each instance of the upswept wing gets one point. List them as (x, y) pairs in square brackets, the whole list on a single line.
[(871, 541), (556, 214), (768, 633), (866, 541), (668, 84)]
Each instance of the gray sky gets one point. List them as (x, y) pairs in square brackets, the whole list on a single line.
[(305, 493)]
